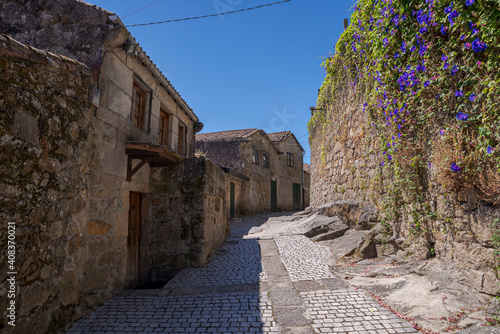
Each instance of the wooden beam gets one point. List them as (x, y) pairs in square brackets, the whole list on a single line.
[(131, 171)]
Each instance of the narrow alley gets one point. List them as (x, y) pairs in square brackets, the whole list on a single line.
[(256, 283)]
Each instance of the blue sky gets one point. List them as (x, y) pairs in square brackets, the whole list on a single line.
[(254, 69)]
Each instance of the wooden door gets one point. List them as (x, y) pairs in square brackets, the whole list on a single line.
[(231, 199), (133, 240), (274, 195)]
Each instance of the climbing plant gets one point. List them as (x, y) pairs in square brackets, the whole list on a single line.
[(428, 75)]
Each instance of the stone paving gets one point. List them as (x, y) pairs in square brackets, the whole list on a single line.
[(303, 259), (351, 311), (278, 285), (240, 255)]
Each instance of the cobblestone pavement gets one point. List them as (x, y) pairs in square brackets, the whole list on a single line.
[(240, 254), (278, 285), (303, 259), (351, 312)]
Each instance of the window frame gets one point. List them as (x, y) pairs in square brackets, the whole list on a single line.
[(181, 138), (163, 126), (265, 160), (255, 156), (141, 121), (290, 160)]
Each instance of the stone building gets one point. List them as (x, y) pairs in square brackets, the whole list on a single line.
[(263, 171), (112, 194), (307, 185)]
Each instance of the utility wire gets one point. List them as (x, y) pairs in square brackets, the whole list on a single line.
[(135, 11), (210, 15)]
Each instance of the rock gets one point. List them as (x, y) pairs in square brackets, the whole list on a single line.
[(326, 228), (356, 214), (345, 245), (368, 250), (480, 330)]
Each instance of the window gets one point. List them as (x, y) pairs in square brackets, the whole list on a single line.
[(181, 140), (265, 160), (163, 128), (289, 159), (255, 158), (138, 106)]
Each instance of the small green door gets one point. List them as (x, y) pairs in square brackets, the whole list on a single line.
[(296, 196), (231, 199), (274, 195)]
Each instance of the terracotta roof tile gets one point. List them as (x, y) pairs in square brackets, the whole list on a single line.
[(229, 134), (307, 168), (277, 137)]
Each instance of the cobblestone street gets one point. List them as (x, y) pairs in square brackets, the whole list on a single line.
[(277, 284)]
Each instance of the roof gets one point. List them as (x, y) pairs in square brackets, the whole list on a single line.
[(152, 66), (277, 137), (307, 168), (224, 135)]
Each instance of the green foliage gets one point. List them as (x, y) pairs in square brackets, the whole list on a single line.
[(409, 61)]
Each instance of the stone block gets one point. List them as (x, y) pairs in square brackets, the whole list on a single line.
[(25, 127), (69, 293), (98, 228)]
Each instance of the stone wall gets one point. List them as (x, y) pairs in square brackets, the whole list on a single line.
[(64, 262), (189, 218), (344, 166), (48, 26)]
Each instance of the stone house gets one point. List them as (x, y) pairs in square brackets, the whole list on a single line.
[(136, 201), (307, 185), (263, 171)]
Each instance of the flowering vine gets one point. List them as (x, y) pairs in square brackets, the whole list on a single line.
[(427, 74)]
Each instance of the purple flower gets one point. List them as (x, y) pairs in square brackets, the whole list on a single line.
[(454, 70), (423, 30), (454, 14), (382, 164), (462, 117), (455, 168), (467, 45), (462, 37), (413, 48), (474, 31), (422, 50), (389, 156), (443, 29), (478, 46), (469, 2), (443, 57), (396, 55), (459, 93), (489, 149), (471, 25), (427, 83), (420, 68), (446, 65), (472, 97), (448, 10), (441, 132)]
